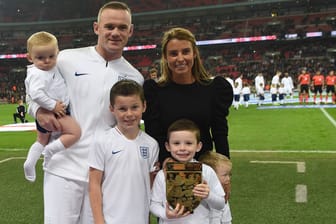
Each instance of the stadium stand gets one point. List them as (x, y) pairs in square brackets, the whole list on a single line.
[(228, 19)]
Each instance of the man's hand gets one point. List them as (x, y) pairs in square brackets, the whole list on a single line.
[(47, 120)]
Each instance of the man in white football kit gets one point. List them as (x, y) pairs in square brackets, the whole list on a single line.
[(239, 86), (276, 79), (89, 74), (259, 81), (287, 81)]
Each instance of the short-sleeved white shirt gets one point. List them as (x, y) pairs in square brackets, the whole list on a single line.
[(288, 84), (275, 80), (126, 165), (259, 79), (240, 83)]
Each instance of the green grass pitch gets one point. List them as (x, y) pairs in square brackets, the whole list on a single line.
[(263, 191)]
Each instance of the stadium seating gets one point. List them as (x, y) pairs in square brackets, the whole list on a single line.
[(246, 58)]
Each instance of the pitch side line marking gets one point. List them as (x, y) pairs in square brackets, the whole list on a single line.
[(285, 151), (245, 151), (300, 166), (11, 158), (330, 118), (300, 189), (301, 193), (12, 150)]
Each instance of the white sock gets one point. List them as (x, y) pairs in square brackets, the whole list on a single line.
[(29, 165), (54, 147)]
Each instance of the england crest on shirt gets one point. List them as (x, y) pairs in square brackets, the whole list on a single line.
[(121, 77), (144, 152)]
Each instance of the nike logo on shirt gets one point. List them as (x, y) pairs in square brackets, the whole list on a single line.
[(79, 74), (115, 152)]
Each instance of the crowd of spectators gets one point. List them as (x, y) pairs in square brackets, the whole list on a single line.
[(247, 59), (233, 59), (79, 33), (46, 10)]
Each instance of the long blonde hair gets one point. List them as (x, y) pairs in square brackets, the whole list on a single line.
[(198, 70)]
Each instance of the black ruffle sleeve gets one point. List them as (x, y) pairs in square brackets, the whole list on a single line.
[(222, 100), (151, 115)]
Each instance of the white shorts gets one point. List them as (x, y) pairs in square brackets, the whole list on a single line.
[(288, 90), (66, 201)]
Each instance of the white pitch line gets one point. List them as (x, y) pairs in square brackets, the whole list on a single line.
[(301, 193), (11, 150), (300, 189), (11, 158), (286, 151), (300, 166), (330, 118)]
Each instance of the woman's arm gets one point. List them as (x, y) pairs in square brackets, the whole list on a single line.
[(223, 97), (151, 115)]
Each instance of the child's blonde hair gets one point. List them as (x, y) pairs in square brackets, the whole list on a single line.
[(41, 38), (214, 159)]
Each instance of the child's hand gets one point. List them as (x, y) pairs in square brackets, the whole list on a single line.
[(227, 190), (202, 190), (178, 212), (59, 109)]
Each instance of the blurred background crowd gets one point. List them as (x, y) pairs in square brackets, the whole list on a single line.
[(302, 31)]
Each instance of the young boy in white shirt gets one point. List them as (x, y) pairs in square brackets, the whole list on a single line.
[(183, 141), (122, 160)]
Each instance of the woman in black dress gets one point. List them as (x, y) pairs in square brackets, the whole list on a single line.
[(186, 90)]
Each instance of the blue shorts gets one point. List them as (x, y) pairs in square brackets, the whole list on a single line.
[(40, 129), (246, 97)]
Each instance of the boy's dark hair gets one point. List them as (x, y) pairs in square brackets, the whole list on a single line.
[(126, 87), (184, 125)]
